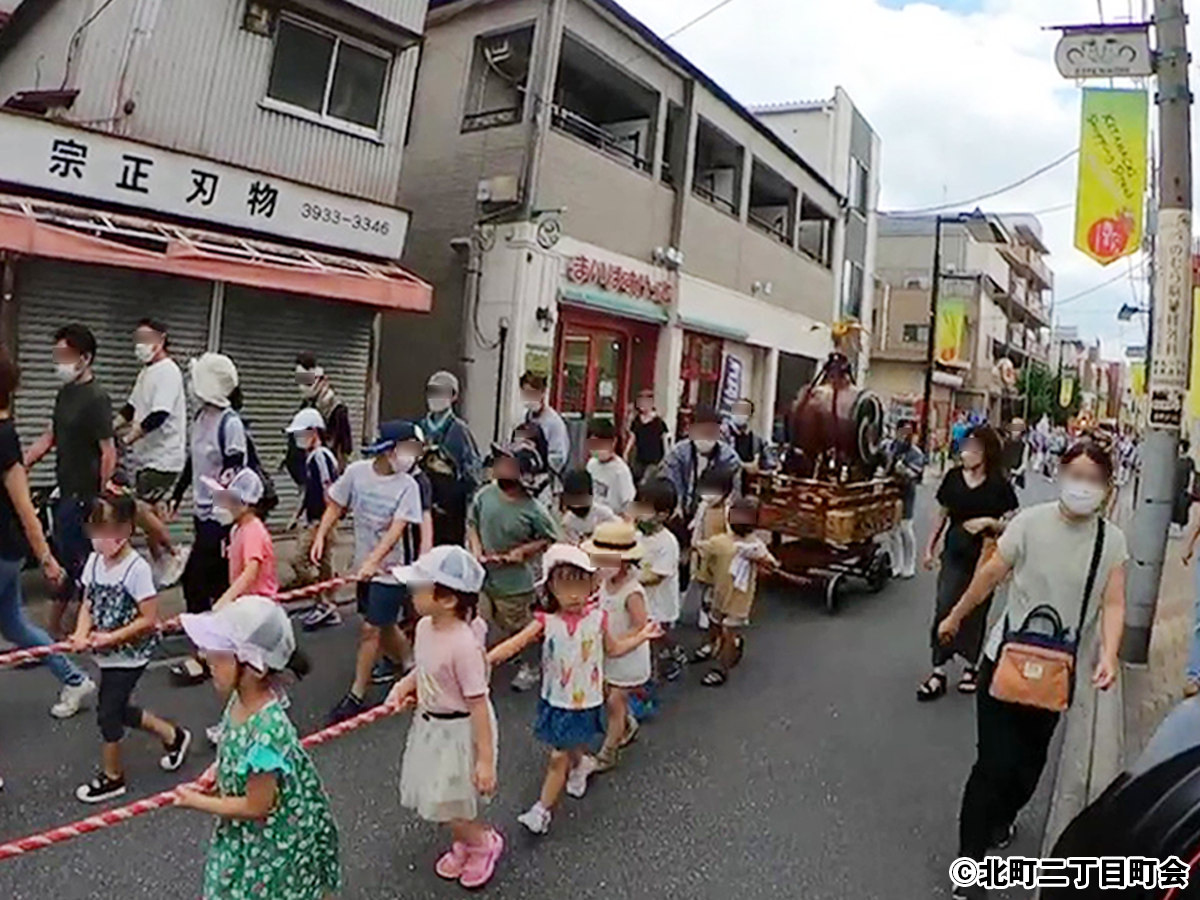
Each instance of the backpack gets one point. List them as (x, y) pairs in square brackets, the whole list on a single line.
[(270, 498), (294, 461)]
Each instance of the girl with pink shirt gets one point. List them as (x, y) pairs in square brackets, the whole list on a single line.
[(252, 567), (449, 769)]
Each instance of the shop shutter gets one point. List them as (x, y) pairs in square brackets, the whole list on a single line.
[(110, 301), (262, 332)]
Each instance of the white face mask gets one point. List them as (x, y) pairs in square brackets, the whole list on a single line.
[(739, 420), (1081, 498), (144, 352), (403, 462), (971, 458), (306, 439), (223, 515), (438, 404), (704, 445), (67, 372), (533, 405)]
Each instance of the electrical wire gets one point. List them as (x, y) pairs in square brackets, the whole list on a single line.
[(1096, 287), (990, 194), (73, 46), (696, 21)]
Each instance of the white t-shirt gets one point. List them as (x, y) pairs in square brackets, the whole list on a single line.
[(612, 483), (159, 388), (376, 502), (579, 529), (662, 558), (207, 458), (114, 595)]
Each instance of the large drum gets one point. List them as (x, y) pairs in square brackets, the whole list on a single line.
[(835, 427)]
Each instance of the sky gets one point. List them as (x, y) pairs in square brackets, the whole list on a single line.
[(963, 93)]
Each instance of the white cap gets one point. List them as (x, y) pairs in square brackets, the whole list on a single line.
[(564, 555), (245, 487), (443, 379), (448, 565), (308, 419), (214, 378), (255, 629)]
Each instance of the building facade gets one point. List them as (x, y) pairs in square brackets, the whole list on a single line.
[(231, 168), (593, 207)]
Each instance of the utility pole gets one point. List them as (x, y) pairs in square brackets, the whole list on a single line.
[(931, 337), (1171, 323)]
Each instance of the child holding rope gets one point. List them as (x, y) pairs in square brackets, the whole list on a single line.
[(252, 565), (276, 837), (117, 621)]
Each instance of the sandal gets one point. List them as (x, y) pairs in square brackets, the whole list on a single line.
[(705, 653), (190, 672), (739, 649), (715, 678), (933, 687), (969, 681)]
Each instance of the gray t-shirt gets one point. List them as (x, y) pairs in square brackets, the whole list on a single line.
[(1050, 556), (208, 442), (376, 501)]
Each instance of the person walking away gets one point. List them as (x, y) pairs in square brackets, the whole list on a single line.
[(317, 393), (575, 647), (384, 501), (538, 411), (973, 500), (1016, 453), (659, 571), (1067, 562), (118, 621), (581, 512), (449, 769), (543, 484), (153, 425), (81, 434), (506, 530), (1185, 473), (219, 445), (751, 449), (649, 438), (451, 461), (906, 464), (320, 472), (711, 519), (276, 836), (21, 535), (613, 481)]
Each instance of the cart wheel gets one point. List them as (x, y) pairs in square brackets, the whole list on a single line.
[(879, 572), (832, 587)]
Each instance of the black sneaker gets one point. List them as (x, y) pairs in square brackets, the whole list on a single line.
[(348, 707), (671, 669), (100, 789), (384, 672), (1003, 837), (177, 751)]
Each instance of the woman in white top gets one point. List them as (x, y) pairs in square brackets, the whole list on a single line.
[(1049, 550)]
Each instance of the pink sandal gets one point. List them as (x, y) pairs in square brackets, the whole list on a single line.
[(450, 864), (481, 862)]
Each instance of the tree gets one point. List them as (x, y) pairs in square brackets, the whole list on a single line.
[(1042, 387)]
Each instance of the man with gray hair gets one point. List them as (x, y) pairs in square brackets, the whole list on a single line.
[(452, 460)]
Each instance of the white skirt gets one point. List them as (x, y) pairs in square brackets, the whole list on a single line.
[(437, 776)]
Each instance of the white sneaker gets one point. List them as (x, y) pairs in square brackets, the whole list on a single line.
[(702, 622), (213, 733), (527, 677), (537, 819), (169, 570), (577, 778), (70, 700)]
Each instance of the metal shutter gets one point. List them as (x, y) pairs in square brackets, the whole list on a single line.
[(262, 332), (109, 301)]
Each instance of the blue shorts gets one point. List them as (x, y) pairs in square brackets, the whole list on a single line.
[(384, 604), (566, 729)]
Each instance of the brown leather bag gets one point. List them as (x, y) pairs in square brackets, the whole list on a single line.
[(1037, 668)]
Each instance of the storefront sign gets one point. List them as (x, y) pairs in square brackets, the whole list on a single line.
[(583, 270), (52, 156), (731, 383)]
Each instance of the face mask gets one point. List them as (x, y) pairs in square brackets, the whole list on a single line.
[(710, 497), (533, 405), (1081, 498), (508, 484), (647, 526), (604, 455), (144, 352), (108, 547), (608, 573), (739, 420), (67, 372), (223, 516), (971, 458), (306, 439), (309, 391), (403, 462), (704, 445), (580, 511), (437, 404)]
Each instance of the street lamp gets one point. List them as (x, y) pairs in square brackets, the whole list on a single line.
[(1128, 312), (983, 229)]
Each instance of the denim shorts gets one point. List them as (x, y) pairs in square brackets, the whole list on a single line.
[(384, 604)]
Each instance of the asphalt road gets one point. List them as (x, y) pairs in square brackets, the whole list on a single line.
[(813, 773)]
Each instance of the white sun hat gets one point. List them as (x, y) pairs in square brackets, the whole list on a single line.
[(255, 629), (448, 565), (307, 419)]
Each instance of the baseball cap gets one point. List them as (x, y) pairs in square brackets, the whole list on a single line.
[(253, 628), (392, 433), (443, 379), (244, 487), (308, 419), (564, 555), (448, 565)]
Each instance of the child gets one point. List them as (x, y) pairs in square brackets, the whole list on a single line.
[(275, 834), (654, 505), (575, 643), (734, 558), (580, 512), (320, 472), (449, 768), (615, 548), (252, 567), (610, 473), (117, 620), (714, 489)]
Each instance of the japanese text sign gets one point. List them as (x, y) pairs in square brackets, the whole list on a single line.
[(584, 270), (1112, 174)]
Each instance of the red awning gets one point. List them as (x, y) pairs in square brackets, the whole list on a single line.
[(58, 231)]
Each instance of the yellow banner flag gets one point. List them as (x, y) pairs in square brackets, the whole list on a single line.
[(1137, 378), (1194, 387), (1066, 391), (951, 329), (1112, 174)]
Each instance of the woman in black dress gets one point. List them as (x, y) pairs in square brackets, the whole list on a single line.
[(974, 499)]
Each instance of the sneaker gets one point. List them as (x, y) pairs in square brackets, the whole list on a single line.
[(450, 864), (321, 616), (100, 789), (537, 817), (384, 672), (177, 751), (631, 731), (168, 572), (577, 778), (527, 677), (702, 622), (214, 733), (70, 700), (348, 707), (671, 669), (970, 892), (1003, 837), (679, 655), (606, 760), (481, 861)]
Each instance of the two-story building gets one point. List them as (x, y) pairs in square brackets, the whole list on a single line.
[(230, 167), (593, 206)]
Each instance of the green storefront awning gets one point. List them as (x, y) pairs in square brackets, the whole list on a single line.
[(618, 305), (714, 328)]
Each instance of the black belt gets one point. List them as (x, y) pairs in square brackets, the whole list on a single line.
[(444, 716)]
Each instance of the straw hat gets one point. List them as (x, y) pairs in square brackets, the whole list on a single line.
[(615, 538)]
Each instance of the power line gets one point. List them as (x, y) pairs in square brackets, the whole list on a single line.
[(700, 18), (1103, 284), (990, 194)]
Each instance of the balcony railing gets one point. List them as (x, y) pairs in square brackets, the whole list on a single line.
[(779, 232), (596, 135), (715, 199), (1029, 263)]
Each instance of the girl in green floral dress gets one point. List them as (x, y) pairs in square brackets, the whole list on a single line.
[(275, 838)]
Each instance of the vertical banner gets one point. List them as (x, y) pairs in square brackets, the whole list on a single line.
[(1066, 391), (1137, 378), (951, 328), (1110, 203), (1194, 385), (731, 383)]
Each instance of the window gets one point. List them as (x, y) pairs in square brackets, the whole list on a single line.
[(499, 78), (916, 334), (331, 77), (860, 186), (719, 161), (816, 232), (852, 285), (772, 203)]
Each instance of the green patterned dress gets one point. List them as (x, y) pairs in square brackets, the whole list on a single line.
[(293, 853)]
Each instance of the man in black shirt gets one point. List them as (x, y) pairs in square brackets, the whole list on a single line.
[(86, 457), (648, 437)]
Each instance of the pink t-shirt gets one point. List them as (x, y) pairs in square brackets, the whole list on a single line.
[(251, 540), (451, 665)]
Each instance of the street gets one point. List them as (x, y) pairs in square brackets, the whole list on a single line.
[(813, 773)]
